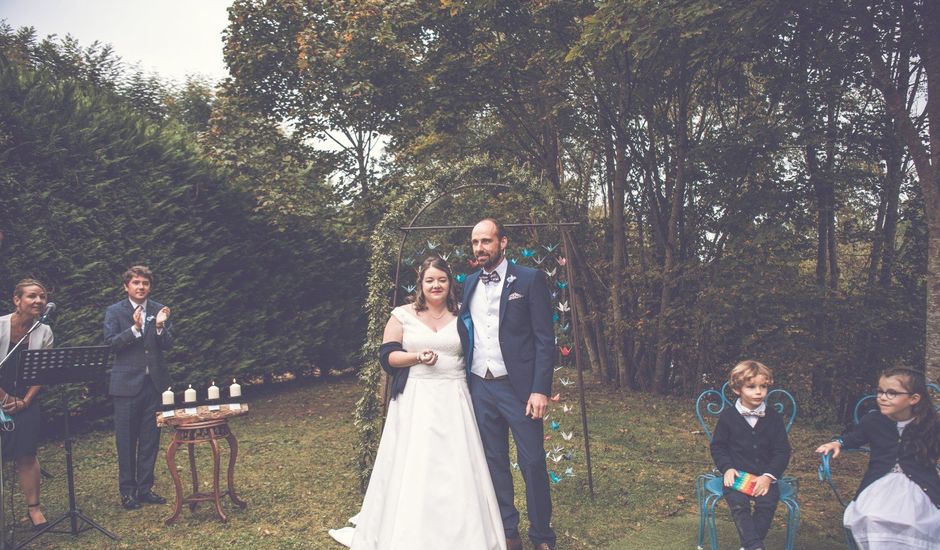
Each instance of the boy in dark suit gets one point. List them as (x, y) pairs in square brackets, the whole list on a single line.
[(138, 331), (751, 438)]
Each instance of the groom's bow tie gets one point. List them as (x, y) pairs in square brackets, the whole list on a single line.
[(489, 277), (758, 414)]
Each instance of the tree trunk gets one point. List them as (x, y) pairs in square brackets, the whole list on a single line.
[(618, 228), (926, 161), (661, 368), (893, 176)]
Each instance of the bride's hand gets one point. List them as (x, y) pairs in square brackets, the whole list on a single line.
[(428, 357)]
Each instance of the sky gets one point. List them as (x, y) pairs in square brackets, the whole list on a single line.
[(173, 38)]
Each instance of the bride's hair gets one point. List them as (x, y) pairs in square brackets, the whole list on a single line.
[(437, 263)]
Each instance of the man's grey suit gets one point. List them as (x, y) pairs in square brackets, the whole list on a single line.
[(138, 377)]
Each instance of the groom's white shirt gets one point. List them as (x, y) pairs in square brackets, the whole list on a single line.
[(484, 310)]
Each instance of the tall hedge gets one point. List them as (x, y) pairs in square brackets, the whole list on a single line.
[(89, 187)]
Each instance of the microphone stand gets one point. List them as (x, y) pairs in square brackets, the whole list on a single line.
[(3, 523)]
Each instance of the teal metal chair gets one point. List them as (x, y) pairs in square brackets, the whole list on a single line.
[(709, 488), (866, 404)]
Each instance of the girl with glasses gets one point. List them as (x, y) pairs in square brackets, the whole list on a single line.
[(898, 503)]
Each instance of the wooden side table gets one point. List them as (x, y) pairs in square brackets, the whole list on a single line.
[(203, 427)]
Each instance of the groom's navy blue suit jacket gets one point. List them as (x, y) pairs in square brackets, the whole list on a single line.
[(526, 335)]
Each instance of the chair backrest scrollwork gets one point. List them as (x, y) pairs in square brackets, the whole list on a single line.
[(711, 403)]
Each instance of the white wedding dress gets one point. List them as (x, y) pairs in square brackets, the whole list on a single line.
[(430, 487)]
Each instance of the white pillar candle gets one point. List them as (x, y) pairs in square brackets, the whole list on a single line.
[(213, 391), (189, 395), (235, 390), (168, 397)]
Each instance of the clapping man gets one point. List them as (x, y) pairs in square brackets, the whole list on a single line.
[(138, 331)]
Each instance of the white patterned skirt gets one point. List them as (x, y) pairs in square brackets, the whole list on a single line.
[(893, 513)]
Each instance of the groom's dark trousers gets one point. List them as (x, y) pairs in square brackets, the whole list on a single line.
[(498, 411), (527, 344)]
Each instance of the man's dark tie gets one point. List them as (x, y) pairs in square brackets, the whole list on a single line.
[(489, 277), (752, 413)]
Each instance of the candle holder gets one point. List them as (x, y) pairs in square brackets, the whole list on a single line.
[(234, 395), (213, 400), (189, 400), (168, 402)]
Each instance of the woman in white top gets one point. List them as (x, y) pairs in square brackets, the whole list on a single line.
[(29, 302)]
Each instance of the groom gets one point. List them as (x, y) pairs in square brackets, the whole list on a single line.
[(508, 340)]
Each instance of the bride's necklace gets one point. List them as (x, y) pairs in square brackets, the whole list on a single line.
[(437, 317)]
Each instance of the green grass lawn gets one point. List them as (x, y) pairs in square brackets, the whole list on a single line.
[(296, 471)]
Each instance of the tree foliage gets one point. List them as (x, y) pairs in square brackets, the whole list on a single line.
[(92, 183)]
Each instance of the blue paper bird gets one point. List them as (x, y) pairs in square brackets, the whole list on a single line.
[(553, 476), (555, 425), (513, 261), (565, 327), (562, 284), (555, 318), (460, 277), (569, 471), (528, 252)]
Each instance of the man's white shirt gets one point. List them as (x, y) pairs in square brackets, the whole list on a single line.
[(484, 309)]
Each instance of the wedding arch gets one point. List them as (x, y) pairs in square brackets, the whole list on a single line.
[(373, 403)]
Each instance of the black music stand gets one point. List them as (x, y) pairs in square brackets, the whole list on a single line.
[(51, 367)]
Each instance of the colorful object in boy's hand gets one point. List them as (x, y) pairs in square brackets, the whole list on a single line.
[(745, 483)]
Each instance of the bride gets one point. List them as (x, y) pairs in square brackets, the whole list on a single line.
[(430, 486)]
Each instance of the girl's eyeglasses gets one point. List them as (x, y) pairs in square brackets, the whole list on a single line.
[(890, 394)]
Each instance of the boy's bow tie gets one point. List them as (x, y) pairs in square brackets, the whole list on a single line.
[(752, 413)]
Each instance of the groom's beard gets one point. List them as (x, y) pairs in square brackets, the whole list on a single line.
[(493, 261)]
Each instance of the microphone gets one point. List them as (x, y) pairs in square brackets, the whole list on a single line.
[(50, 308)]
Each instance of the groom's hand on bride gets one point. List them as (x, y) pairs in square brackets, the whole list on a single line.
[(537, 406)]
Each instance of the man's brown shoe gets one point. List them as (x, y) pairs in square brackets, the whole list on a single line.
[(514, 544), (543, 546)]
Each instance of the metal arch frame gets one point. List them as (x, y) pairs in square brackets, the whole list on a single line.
[(567, 244)]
